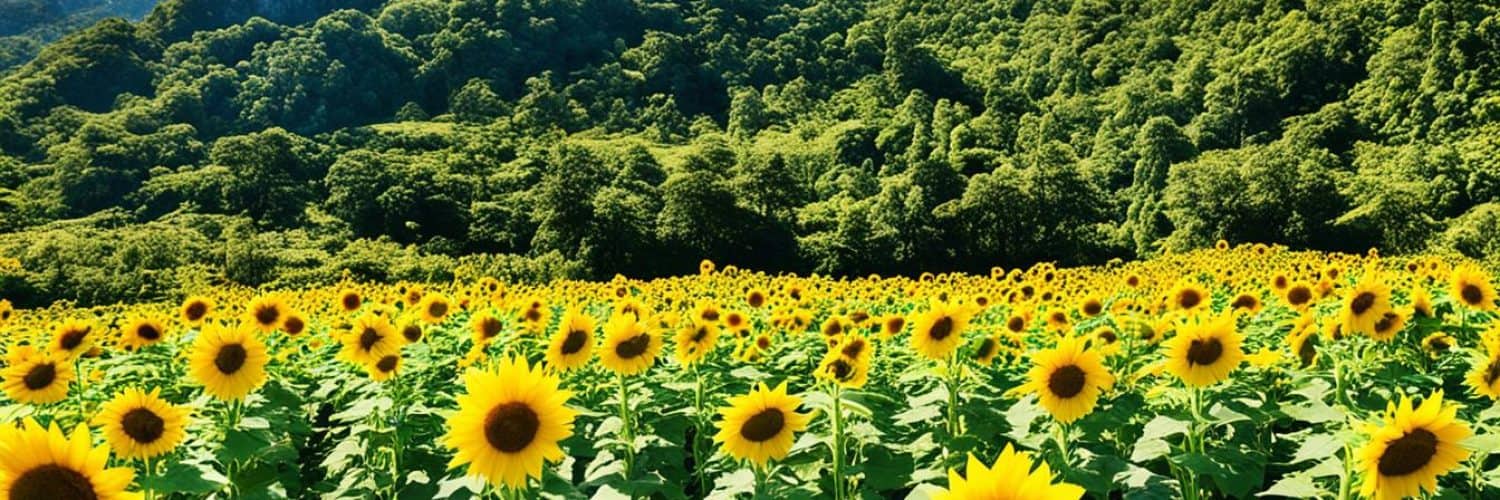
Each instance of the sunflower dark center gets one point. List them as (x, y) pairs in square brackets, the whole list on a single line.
[(412, 332), (1438, 344), (368, 337), (1108, 336), (1386, 322), (636, 346), (196, 311), (40, 376), (841, 369), (1067, 381), (575, 341), (1492, 372), (267, 315), (1016, 324), (895, 324), (710, 315), (764, 425), (388, 363), (52, 482), (1409, 453), (230, 359), (986, 349), (490, 327), (510, 427), (700, 334), (1189, 299), (351, 301), (437, 309), (293, 325), (1204, 352), (1244, 302), (941, 328), (1361, 303), (143, 426), (1308, 352), (1298, 295), (1092, 308), (1471, 293), (533, 314), (148, 332), (71, 339), (854, 348), (756, 300), (833, 328)]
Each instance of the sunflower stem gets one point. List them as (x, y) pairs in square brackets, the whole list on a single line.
[(1345, 479), (837, 442), (627, 434), (700, 469), (1062, 446), (148, 492), (951, 381)]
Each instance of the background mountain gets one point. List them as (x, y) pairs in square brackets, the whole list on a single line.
[(27, 25), (289, 141)]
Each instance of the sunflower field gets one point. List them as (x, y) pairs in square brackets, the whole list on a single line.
[(1230, 372)]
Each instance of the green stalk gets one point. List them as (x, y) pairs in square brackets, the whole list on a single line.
[(698, 425), (837, 443), (626, 432)]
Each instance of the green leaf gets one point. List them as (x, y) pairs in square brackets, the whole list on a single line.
[(1316, 446), (186, 478), (1293, 486)]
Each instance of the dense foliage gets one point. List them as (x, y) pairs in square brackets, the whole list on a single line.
[(27, 25), (590, 137)]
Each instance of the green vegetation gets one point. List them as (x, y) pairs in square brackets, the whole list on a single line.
[(27, 25), (279, 141)]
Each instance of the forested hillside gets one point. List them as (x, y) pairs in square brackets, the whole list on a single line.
[(254, 141), (27, 25)]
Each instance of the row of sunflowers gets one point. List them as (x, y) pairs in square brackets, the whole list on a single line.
[(1226, 372)]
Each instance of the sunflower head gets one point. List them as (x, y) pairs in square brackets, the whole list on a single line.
[(434, 308), (695, 340), (141, 425), (1011, 477), (761, 426), (629, 346), (1068, 379), (42, 462), (1411, 447), (265, 312), (509, 423), (1470, 285), (73, 338), (142, 331), (572, 346), (1203, 353), (40, 378), (370, 338), (1365, 305), (229, 362), (195, 309), (937, 333)]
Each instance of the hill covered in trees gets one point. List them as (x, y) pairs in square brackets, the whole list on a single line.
[(279, 141), (27, 25)]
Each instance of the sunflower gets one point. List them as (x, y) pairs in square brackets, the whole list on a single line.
[(141, 425), (1364, 306), (350, 300), (1248, 303), (1411, 448), (39, 378), (1484, 378), (695, 341), (293, 323), (1421, 302), (892, 325), (265, 312), (988, 348), (1204, 353), (485, 327), (1011, 478), (434, 308), (761, 426), (1091, 306), (384, 368), (1068, 379), (1388, 325), (755, 298), (195, 309), (1470, 285), (1188, 297), (509, 423), (229, 362), (1298, 295), (7, 311), (938, 332), (573, 344), (629, 347), (1304, 343), (142, 331), (41, 462), (73, 338), (370, 338), (1438, 343), (535, 315), (848, 362)]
